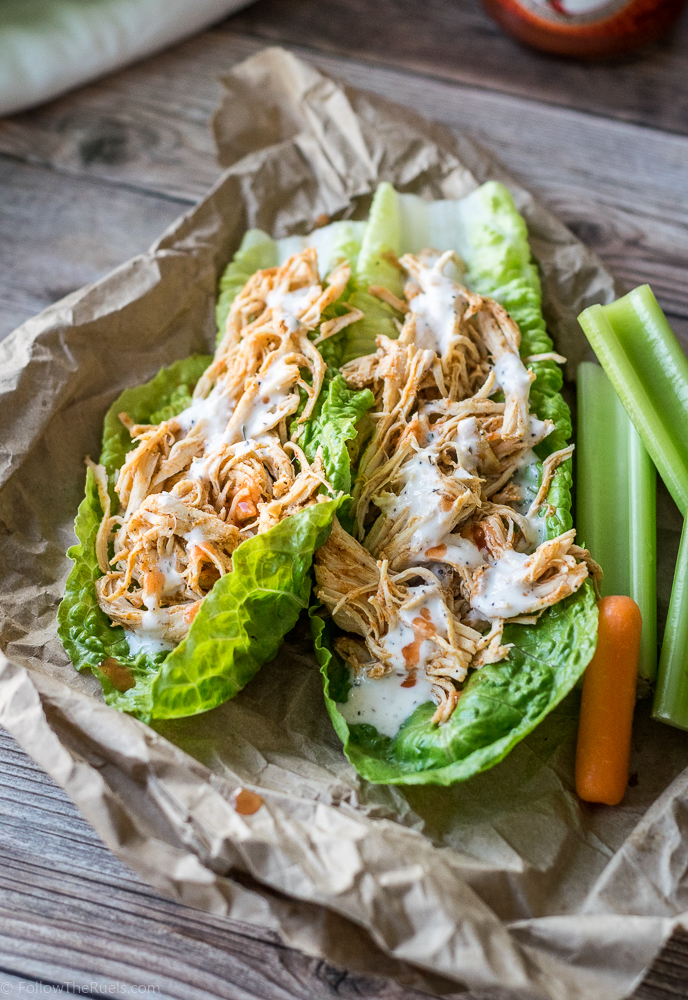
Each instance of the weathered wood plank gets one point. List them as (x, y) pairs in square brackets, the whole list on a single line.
[(70, 912), (668, 977), (620, 186), (457, 41), (58, 233), (99, 169), (600, 177), (146, 126)]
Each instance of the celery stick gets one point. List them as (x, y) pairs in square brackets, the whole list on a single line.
[(649, 371), (671, 695), (616, 505)]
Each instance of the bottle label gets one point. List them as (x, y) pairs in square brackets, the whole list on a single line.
[(574, 11)]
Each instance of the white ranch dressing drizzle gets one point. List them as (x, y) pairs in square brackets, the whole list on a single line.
[(503, 593), (386, 702), (536, 523), (196, 536), (434, 309), (538, 430), (420, 496), (290, 306), (173, 578), (455, 551), (512, 375), (468, 444), (150, 636), (536, 530), (214, 412), (423, 612), (275, 387)]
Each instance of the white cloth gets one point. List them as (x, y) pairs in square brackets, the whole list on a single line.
[(50, 46)]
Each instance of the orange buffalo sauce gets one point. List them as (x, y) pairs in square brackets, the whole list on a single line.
[(587, 29)]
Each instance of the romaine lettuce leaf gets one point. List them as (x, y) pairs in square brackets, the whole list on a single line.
[(333, 427), (498, 257), (382, 234), (501, 702), (242, 621), (334, 243), (86, 632), (487, 231), (257, 251), (240, 624)]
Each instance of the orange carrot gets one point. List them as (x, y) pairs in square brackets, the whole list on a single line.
[(606, 717)]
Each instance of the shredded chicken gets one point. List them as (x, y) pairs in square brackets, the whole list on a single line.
[(366, 599), (224, 469), (440, 520)]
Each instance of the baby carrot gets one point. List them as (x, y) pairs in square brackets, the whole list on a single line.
[(606, 717)]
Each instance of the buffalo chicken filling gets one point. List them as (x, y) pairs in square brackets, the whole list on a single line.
[(445, 548), (225, 469)]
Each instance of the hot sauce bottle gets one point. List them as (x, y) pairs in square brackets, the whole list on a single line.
[(585, 28)]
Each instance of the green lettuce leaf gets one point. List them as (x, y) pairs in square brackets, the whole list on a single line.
[(87, 634), (257, 251), (334, 243), (333, 428), (242, 621), (501, 702), (240, 624), (382, 234), (333, 425), (499, 265), (487, 231)]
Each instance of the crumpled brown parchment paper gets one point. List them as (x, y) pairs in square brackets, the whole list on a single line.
[(505, 885)]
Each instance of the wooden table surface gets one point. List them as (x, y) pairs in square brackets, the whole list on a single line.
[(94, 177)]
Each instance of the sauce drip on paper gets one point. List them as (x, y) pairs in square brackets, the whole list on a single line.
[(246, 802)]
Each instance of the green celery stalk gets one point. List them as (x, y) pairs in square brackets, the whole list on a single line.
[(649, 371), (671, 695), (616, 505), (636, 347)]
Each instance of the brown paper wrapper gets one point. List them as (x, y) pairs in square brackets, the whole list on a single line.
[(504, 885)]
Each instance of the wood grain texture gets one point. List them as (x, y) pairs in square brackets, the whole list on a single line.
[(620, 187), (94, 177), (668, 977), (70, 912), (58, 233), (457, 41)]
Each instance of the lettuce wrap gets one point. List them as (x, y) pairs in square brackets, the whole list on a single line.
[(525, 648), (228, 626)]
